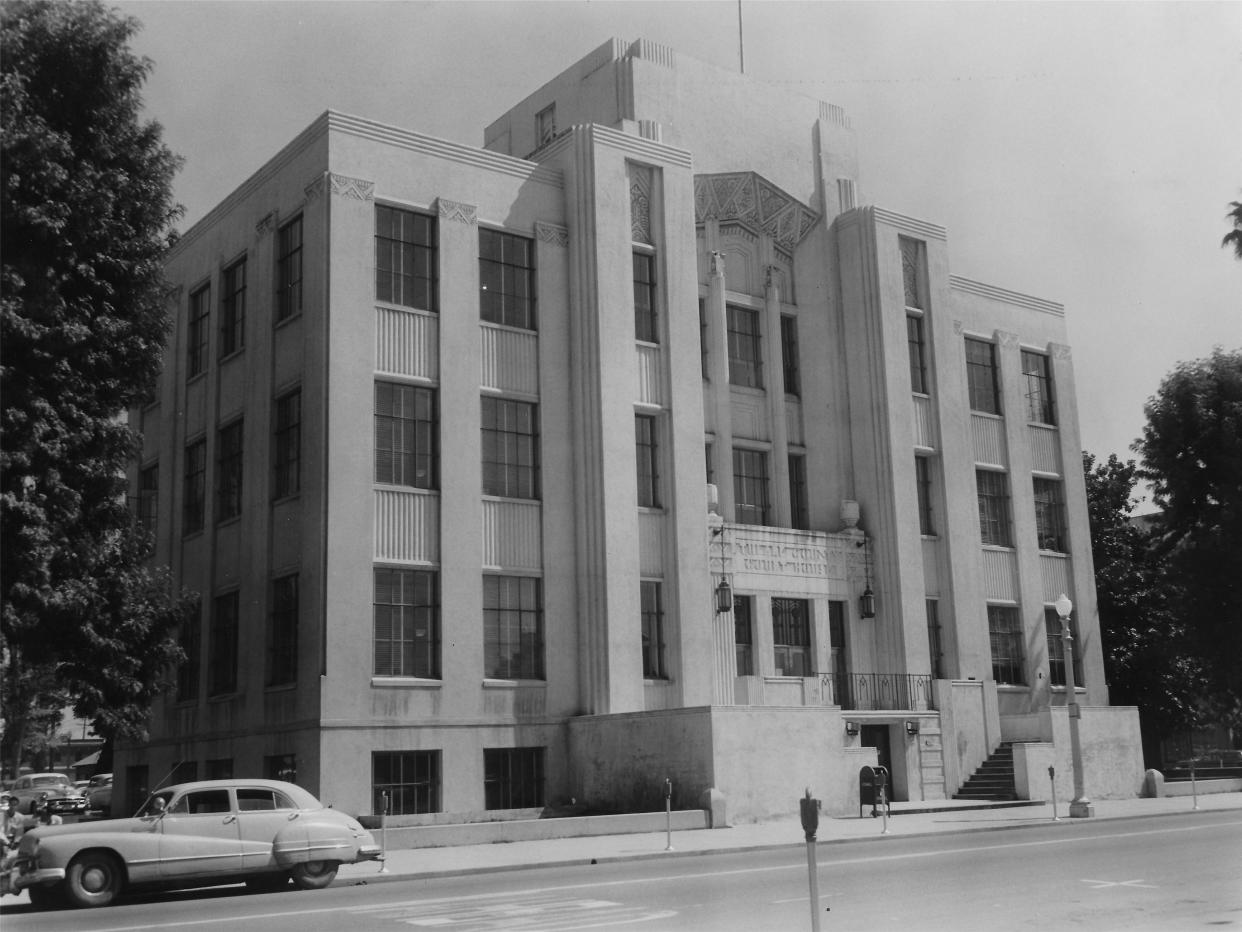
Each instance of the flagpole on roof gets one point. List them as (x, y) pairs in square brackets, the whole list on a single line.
[(741, 51)]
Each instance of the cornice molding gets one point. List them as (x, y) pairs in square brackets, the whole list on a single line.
[(957, 283), (908, 224)]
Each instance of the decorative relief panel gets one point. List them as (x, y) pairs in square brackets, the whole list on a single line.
[(265, 225), (1059, 350), (755, 202), (454, 210), (358, 189), (551, 234), (314, 189), (1007, 339), (641, 183)]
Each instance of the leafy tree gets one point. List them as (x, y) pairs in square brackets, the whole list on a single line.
[(1234, 237), (1191, 452), (86, 221), (1145, 639)]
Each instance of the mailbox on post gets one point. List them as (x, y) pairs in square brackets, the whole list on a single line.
[(872, 789)]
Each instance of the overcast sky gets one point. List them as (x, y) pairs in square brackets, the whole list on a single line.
[(1085, 153)]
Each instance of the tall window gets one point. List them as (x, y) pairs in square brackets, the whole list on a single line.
[(798, 508), (703, 337), (1039, 403), (647, 454), (287, 437), (289, 269), (233, 309), (1005, 635), (745, 352), (993, 492), (743, 635), (405, 258), (707, 462), (981, 376), (282, 632), (222, 645), (1056, 648), (922, 481), (750, 486), (229, 472), (645, 315), (506, 279), (918, 353), (149, 497), (545, 125), (513, 778), (407, 623), (653, 632), (510, 448), (513, 627), (789, 356), (406, 435), (196, 332), (935, 646), (409, 779), (189, 639), (194, 488), (913, 272), (1050, 515), (791, 637)]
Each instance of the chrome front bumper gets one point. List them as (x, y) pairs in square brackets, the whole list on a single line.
[(15, 881)]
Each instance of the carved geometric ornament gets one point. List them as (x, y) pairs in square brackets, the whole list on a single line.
[(754, 202)]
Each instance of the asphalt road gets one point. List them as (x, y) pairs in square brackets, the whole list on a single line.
[(1166, 873)]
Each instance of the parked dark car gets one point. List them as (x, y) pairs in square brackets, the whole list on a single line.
[(62, 797), (99, 793)]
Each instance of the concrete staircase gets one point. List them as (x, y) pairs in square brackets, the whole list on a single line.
[(994, 778)]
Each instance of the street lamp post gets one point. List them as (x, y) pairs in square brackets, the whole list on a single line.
[(1080, 806)]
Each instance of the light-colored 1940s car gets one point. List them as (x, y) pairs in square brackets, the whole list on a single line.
[(262, 832)]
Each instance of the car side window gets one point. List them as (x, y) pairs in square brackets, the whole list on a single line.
[(203, 802), (256, 800)]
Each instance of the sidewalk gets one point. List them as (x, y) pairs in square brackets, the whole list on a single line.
[(948, 817)]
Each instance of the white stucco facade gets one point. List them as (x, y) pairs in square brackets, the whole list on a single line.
[(769, 267)]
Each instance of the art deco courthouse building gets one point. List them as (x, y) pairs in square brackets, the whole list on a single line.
[(462, 446)]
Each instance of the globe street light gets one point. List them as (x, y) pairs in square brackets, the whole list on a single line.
[(1080, 807)]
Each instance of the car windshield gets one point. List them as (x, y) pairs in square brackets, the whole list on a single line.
[(48, 781)]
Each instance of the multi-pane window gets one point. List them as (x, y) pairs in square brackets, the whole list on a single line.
[(149, 497), (707, 462), (506, 279), (1056, 648), (510, 448), (229, 472), (993, 495), (545, 125), (750, 486), (513, 627), (745, 351), (913, 267), (405, 258), (1050, 515), (703, 337), (1039, 402), (791, 637), (408, 780), (789, 356), (281, 767), (981, 376), (189, 639), (647, 455), (922, 482), (405, 435), (743, 635), (1005, 635), (653, 632), (917, 345), (282, 632), (799, 511), (645, 316), (407, 623), (287, 443), (196, 332), (289, 269), (233, 309), (222, 645), (194, 488), (513, 778), (935, 645)]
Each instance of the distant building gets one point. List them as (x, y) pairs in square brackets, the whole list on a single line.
[(635, 445)]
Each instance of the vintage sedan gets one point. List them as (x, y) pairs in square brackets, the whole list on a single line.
[(262, 832), (53, 789)]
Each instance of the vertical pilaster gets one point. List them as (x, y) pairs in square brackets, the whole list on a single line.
[(718, 375), (773, 362)]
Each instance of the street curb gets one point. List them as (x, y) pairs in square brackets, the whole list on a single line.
[(707, 852)]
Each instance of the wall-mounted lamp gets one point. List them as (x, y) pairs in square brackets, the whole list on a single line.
[(724, 596), (866, 602), (851, 728), (912, 728)]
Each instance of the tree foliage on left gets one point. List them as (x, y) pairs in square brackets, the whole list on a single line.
[(86, 220)]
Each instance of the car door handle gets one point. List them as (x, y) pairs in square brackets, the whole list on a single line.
[(229, 818)]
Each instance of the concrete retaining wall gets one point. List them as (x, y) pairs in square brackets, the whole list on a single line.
[(483, 833)]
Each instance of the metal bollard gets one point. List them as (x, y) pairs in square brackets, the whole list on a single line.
[(384, 834), (668, 814), (810, 824), (1052, 777), (1194, 789), (884, 806)]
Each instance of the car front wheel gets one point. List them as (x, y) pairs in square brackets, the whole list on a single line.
[(314, 875), (93, 879)]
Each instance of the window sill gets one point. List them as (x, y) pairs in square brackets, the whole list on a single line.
[(231, 356), (190, 535), (223, 697), (654, 344), (987, 414), (285, 321), (490, 683), (231, 519), (757, 391), (197, 376), (291, 497), (657, 681), (1063, 554), (999, 548), (1012, 688), (389, 306), (405, 682), (1061, 689), (281, 687)]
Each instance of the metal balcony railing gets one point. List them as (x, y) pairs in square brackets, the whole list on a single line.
[(876, 691)]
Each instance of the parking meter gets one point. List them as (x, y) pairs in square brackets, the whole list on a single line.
[(668, 789), (1052, 773), (810, 815)]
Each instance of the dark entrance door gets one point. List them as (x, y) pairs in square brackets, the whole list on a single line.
[(876, 736)]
